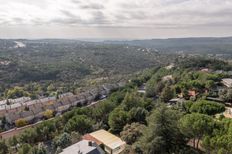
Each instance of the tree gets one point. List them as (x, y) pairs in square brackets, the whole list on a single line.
[(195, 126), (13, 141), (21, 122), (225, 95), (16, 92), (207, 107), (101, 112), (25, 148), (118, 118), (75, 137), (40, 149), (131, 100), (80, 123), (47, 128), (48, 114), (62, 140), (167, 94), (209, 84), (28, 136), (220, 140), (132, 132), (150, 88), (3, 147), (229, 95), (162, 134), (51, 88), (138, 114)]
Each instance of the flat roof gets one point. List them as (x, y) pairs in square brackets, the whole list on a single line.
[(80, 147), (107, 139), (227, 79)]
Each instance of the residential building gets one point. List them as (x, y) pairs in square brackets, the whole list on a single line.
[(227, 82), (193, 93), (83, 147), (111, 143)]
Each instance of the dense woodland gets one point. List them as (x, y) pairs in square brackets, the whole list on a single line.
[(69, 64), (204, 45), (146, 121)]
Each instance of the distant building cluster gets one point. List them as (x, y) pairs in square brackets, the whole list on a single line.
[(33, 110)]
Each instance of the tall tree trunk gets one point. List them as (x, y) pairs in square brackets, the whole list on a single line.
[(194, 143), (198, 142)]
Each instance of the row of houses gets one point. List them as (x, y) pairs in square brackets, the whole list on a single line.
[(33, 110)]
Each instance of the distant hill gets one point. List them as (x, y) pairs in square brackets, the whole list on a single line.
[(187, 45), (70, 60)]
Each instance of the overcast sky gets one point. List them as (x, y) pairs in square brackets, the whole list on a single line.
[(112, 19)]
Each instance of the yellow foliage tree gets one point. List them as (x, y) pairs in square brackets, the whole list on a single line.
[(21, 122), (48, 114)]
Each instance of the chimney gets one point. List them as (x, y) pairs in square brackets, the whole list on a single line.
[(90, 143)]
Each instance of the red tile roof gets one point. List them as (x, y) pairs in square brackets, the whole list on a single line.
[(91, 138)]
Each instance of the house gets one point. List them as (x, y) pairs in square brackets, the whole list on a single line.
[(66, 104), (12, 117), (205, 70), (142, 88), (38, 112), (88, 97), (170, 66), (107, 88), (227, 82), (81, 99), (111, 143), (102, 91), (175, 100), (27, 115), (61, 107), (83, 147), (94, 92), (74, 101), (68, 94), (193, 93), (167, 78), (121, 84)]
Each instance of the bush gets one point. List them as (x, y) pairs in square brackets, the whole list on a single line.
[(207, 107), (48, 114), (21, 123), (63, 140), (80, 123)]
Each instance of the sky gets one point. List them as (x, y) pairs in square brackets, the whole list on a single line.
[(115, 19)]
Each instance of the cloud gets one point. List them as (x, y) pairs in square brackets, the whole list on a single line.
[(156, 14), (116, 13), (94, 6)]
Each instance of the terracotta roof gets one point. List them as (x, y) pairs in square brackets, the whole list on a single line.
[(91, 138)]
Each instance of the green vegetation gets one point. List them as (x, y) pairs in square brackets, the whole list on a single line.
[(68, 65), (162, 134), (207, 107), (148, 122), (195, 126)]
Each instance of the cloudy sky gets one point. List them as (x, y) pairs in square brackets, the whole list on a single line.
[(114, 19)]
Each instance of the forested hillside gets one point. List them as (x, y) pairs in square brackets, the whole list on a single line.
[(69, 62), (186, 45)]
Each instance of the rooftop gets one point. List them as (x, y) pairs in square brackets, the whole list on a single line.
[(228, 80), (82, 147), (107, 138), (91, 138)]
